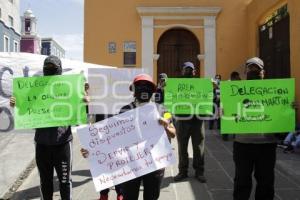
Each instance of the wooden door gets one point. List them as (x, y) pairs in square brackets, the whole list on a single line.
[(175, 47)]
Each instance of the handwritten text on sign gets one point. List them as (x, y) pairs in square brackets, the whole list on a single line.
[(126, 146), (258, 106), (189, 96), (49, 101)]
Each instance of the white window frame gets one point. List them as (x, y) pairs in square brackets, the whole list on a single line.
[(129, 47), (8, 45), (18, 46)]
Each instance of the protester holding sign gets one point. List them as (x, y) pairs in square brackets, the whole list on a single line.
[(53, 146), (143, 88), (216, 108), (159, 94), (254, 153), (190, 126)]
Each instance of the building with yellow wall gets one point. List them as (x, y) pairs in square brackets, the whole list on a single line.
[(217, 35)]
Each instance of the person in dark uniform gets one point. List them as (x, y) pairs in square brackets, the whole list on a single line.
[(187, 127), (53, 147), (254, 153), (159, 94)]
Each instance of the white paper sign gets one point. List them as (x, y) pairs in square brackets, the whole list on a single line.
[(109, 89), (126, 146)]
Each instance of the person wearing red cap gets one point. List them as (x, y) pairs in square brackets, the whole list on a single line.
[(143, 88)]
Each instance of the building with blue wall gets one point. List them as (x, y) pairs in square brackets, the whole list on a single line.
[(10, 26), (51, 47)]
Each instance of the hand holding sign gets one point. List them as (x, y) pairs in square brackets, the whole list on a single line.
[(295, 105), (84, 152), (12, 101)]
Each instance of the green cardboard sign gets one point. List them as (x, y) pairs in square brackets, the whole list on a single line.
[(49, 101), (258, 106), (189, 96)]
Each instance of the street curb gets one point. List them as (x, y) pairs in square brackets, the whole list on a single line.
[(18, 182)]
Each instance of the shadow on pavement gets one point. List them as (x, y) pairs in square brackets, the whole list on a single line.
[(86, 173), (34, 192)]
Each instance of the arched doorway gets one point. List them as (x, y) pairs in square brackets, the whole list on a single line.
[(175, 47)]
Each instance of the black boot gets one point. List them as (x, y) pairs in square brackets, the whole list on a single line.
[(180, 176)]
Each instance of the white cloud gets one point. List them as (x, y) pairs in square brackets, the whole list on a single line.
[(72, 43)]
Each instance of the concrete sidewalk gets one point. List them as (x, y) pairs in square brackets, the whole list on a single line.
[(16, 156), (219, 172)]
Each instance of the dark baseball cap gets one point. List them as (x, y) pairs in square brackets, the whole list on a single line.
[(52, 60)]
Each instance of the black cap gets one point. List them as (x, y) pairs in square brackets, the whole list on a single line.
[(52, 60), (56, 62)]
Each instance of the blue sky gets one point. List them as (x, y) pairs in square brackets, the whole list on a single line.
[(61, 20)]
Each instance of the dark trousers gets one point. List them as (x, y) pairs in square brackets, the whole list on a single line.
[(58, 157), (118, 190), (257, 158), (216, 117), (151, 183), (186, 129), (213, 121)]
